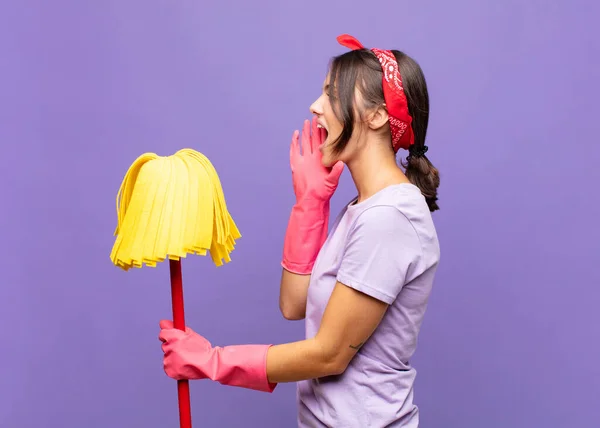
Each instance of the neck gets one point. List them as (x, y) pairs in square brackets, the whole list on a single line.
[(373, 169)]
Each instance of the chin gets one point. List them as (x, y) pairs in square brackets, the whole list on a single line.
[(327, 161)]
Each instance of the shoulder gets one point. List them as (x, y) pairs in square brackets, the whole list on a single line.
[(393, 208), (397, 216), (382, 218)]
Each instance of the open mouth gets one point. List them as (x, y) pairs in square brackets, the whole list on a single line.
[(325, 132)]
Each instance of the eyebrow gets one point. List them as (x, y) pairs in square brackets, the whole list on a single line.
[(326, 88)]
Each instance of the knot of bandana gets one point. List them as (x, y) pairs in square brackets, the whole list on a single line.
[(393, 93)]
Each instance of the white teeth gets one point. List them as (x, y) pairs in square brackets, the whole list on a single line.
[(320, 126)]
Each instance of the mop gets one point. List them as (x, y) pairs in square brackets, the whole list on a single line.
[(168, 207)]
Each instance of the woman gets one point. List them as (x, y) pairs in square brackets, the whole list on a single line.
[(363, 288)]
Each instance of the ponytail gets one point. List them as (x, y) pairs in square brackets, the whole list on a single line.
[(421, 172)]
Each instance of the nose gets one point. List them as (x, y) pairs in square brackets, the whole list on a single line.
[(316, 107)]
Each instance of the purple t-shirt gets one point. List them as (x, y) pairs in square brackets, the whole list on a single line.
[(386, 247)]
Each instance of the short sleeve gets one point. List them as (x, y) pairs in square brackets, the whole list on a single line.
[(381, 252)]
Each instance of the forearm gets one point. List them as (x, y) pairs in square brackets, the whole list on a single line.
[(296, 361), (292, 295)]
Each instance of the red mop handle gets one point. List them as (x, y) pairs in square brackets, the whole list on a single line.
[(183, 386)]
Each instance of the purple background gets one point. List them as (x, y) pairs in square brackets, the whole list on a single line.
[(511, 336)]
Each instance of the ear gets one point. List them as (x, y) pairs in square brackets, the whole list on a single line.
[(378, 118)]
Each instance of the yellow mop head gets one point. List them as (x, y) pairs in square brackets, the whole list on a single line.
[(169, 206)]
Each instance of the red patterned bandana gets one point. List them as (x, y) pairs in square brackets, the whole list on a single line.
[(393, 93)]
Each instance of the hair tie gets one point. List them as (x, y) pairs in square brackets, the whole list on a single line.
[(417, 152)]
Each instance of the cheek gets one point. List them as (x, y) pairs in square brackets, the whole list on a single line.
[(335, 126), (332, 120)]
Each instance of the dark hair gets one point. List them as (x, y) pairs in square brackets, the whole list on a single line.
[(361, 68)]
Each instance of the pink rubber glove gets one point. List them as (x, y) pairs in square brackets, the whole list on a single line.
[(314, 186), (190, 356)]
